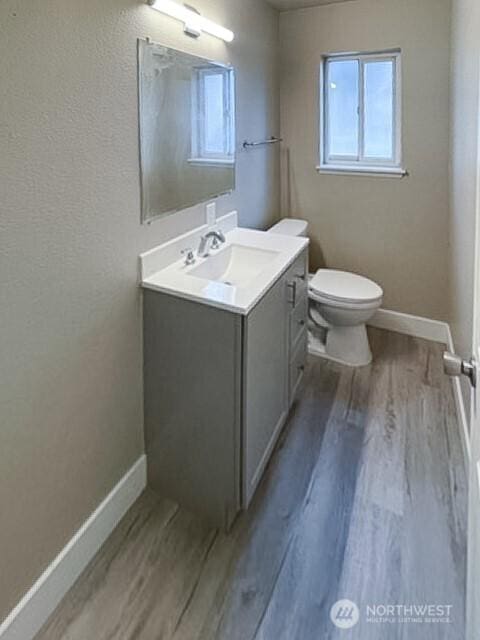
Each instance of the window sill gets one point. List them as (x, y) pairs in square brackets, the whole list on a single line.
[(372, 172), (212, 162)]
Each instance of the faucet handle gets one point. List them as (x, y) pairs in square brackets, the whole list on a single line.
[(189, 256)]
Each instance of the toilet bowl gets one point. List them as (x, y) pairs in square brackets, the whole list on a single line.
[(341, 304), (346, 302)]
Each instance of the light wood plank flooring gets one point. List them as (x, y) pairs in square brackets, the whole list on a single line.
[(365, 498)]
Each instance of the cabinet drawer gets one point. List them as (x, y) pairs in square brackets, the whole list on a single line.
[(298, 320), (297, 279), (300, 267), (297, 365)]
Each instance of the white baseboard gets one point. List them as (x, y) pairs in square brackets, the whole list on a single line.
[(426, 328), (40, 601), (460, 404)]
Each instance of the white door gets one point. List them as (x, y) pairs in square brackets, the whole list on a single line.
[(473, 577), (456, 366)]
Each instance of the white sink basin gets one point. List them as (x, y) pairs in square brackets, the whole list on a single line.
[(234, 278), (236, 265)]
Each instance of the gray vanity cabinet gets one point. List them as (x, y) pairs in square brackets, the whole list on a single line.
[(218, 388), (265, 382)]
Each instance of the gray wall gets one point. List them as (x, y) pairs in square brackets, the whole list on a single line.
[(464, 135), (70, 313), (394, 231)]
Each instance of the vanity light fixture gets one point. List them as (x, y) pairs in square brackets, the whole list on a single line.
[(195, 24)]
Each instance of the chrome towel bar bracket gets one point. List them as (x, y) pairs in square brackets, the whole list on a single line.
[(272, 140)]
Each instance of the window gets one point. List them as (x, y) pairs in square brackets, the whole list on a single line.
[(213, 128), (360, 114)]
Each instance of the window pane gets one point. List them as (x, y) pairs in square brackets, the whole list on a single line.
[(379, 109), (215, 132), (342, 88)]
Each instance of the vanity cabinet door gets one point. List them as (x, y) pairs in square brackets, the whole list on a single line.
[(265, 388)]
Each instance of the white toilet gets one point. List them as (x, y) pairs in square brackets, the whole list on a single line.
[(341, 304)]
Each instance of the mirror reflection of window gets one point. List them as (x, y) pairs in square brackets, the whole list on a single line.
[(213, 98), (187, 129)]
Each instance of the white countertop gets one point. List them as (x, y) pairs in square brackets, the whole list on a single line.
[(174, 279)]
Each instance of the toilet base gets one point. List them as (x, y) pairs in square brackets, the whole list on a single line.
[(345, 345)]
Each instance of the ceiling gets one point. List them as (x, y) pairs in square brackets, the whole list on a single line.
[(285, 5)]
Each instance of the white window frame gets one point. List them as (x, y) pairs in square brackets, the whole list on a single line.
[(199, 153), (360, 164)]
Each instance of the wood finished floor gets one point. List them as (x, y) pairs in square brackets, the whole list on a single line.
[(365, 498)]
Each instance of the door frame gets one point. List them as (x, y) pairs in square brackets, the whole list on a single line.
[(473, 546)]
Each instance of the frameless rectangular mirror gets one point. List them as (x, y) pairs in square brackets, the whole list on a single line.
[(187, 129)]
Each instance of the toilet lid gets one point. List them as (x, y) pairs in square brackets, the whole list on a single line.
[(341, 285)]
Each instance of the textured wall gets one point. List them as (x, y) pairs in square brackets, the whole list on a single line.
[(394, 231), (464, 148), (70, 314)]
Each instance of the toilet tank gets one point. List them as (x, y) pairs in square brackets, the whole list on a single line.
[(290, 227)]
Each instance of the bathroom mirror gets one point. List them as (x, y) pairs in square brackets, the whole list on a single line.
[(187, 129)]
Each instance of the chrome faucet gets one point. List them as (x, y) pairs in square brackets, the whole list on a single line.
[(217, 237)]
